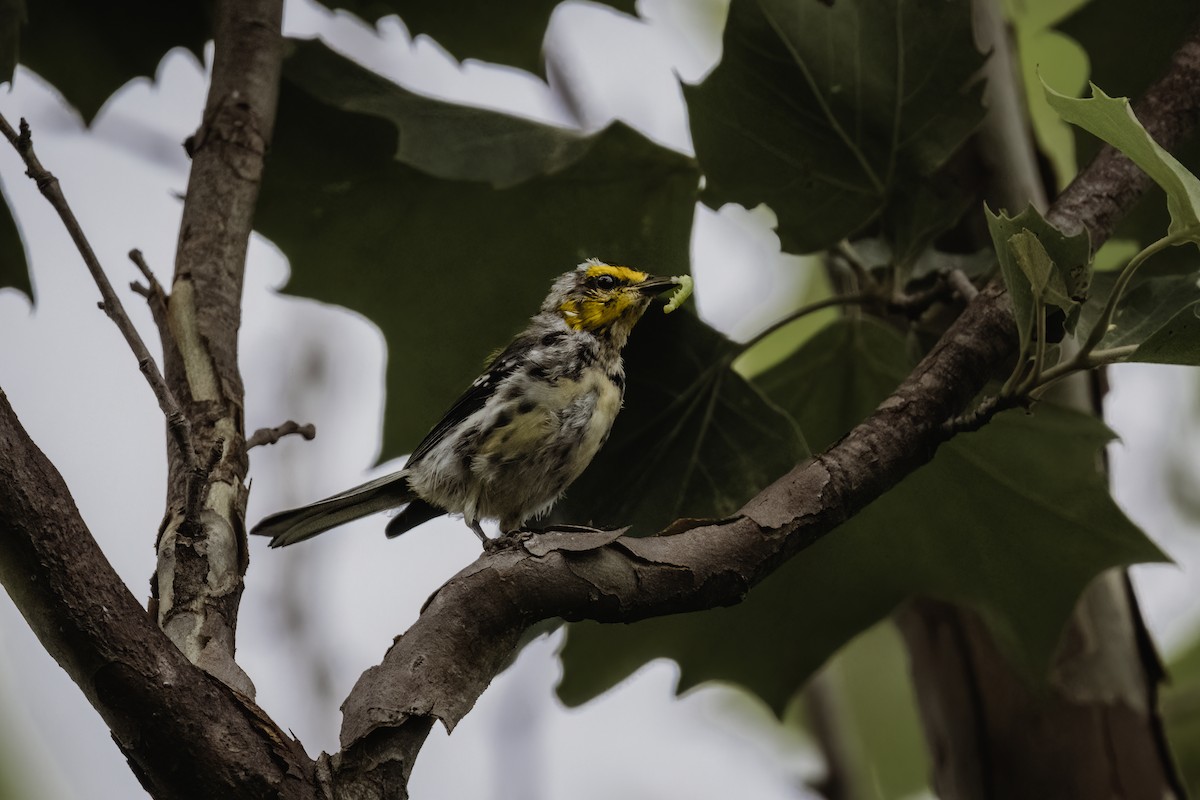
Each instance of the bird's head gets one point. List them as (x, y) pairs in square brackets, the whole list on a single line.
[(603, 299)]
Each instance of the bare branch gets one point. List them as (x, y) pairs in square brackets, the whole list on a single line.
[(141, 685), (177, 423), (203, 556), (272, 435)]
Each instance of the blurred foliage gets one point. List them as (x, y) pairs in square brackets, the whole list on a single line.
[(1180, 702), (503, 33), (876, 727), (14, 267)]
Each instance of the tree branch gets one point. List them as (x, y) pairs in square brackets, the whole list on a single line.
[(178, 425), (203, 556), (467, 630), (263, 436), (143, 687)]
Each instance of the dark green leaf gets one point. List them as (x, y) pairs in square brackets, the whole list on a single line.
[(88, 50), (12, 17), (450, 269), (504, 33), (838, 377), (1012, 521), (1176, 342), (14, 268), (1180, 693), (694, 439), (823, 110), (1156, 312)]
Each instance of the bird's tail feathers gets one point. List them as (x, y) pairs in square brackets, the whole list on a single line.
[(298, 524)]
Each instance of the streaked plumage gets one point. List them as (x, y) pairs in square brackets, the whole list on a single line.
[(523, 431)]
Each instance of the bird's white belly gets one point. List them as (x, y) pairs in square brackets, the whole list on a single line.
[(521, 454)]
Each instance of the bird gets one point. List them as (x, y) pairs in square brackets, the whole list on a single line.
[(523, 431)]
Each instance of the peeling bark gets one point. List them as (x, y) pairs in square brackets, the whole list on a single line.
[(202, 552)]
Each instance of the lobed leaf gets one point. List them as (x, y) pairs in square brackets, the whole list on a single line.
[(1069, 259), (1112, 119), (833, 113)]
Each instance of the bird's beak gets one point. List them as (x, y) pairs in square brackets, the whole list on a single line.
[(655, 285)]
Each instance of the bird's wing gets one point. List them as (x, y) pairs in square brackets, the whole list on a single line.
[(474, 397)]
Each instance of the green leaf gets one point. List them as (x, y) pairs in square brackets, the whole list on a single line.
[(451, 268), (88, 50), (1012, 521), (1178, 704), (1177, 342), (14, 267), (1071, 254), (1045, 280), (839, 375), (503, 33), (694, 439), (1113, 120), (1156, 312), (825, 110), (1147, 304), (12, 17)]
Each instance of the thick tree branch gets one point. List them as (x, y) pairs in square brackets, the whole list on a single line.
[(202, 556), (464, 635), (184, 733)]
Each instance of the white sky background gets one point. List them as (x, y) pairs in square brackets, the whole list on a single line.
[(77, 390)]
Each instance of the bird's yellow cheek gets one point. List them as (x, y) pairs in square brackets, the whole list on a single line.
[(592, 314)]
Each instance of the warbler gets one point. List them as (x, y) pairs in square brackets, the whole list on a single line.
[(523, 431)]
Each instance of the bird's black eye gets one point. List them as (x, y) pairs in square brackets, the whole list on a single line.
[(604, 282)]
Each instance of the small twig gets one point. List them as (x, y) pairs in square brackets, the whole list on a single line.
[(273, 435), (804, 311), (177, 423), (962, 284)]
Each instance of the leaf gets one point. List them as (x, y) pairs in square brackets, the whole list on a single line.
[(1178, 704), (825, 110), (1072, 254), (14, 266), (12, 17), (449, 269), (88, 50), (1156, 312), (845, 368), (1012, 521), (1113, 120), (503, 33), (1148, 303), (694, 438), (1177, 342), (1045, 280)]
